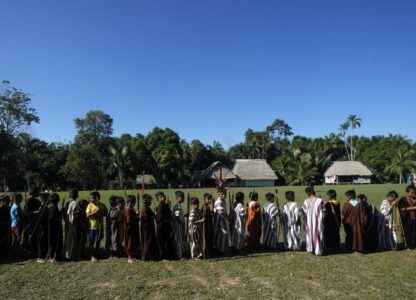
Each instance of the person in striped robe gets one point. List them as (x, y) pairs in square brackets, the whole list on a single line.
[(178, 227), (312, 210), (194, 230), (291, 216), (238, 234), (270, 224), (221, 227), (387, 238)]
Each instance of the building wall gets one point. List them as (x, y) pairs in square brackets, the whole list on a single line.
[(258, 183)]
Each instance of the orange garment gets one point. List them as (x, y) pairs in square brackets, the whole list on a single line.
[(254, 224)]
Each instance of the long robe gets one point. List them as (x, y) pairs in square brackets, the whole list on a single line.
[(178, 231), (82, 225), (332, 223), (371, 228), (270, 224), (254, 224), (5, 234), (208, 232), (221, 227), (313, 225), (72, 213), (147, 234), (409, 221), (42, 232), (291, 222), (30, 235), (354, 220), (55, 233), (163, 218), (387, 233), (114, 216), (131, 232), (194, 234), (238, 233)]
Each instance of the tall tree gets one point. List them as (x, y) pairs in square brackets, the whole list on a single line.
[(354, 122), (401, 163), (15, 110)]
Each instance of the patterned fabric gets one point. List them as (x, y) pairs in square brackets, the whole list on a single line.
[(291, 222), (221, 229), (387, 237), (313, 222), (178, 231), (194, 233), (238, 234), (270, 234)]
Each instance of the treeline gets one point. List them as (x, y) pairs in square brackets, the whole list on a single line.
[(95, 159)]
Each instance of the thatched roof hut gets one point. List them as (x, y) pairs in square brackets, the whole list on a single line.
[(254, 172), (215, 171), (348, 170), (146, 179)]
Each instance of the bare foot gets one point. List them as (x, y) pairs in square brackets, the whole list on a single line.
[(130, 260), (93, 259)]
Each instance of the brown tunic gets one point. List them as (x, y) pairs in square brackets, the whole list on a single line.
[(354, 220), (131, 232)]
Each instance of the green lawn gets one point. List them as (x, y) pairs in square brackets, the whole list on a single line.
[(280, 275)]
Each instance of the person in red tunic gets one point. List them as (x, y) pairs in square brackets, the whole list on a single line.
[(131, 230), (253, 221)]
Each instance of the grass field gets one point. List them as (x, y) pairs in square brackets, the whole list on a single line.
[(279, 275)]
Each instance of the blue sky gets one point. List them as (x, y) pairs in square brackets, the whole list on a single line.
[(212, 69)]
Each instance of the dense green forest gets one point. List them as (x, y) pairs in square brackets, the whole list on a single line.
[(96, 159)]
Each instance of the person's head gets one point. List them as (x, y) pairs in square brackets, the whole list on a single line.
[(362, 198), (332, 194), (391, 196), (194, 202), (5, 200), (349, 195), (147, 199), (221, 193), (131, 201), (112, 201), (180, 196), (33, 191), (269, 197), (411, 191), (160, 196), (239, 197), (44, 197), (310, 191), (54, 199), (83, 204), (207, 199), (94, 197), (120, 202), (17, 198), (254, 196), (73, 194), (290, 196)]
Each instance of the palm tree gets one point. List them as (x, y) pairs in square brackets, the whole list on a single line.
[(343, 128), (401, 163), (119, 162), (354, 122)]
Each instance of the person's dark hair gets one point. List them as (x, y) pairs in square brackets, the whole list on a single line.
[(33, 191), (410, 188), (310, 191), (254, 196), (113, 201), (393, 194), (95, 195), (44, 196), (290, 196), (332, 194), (73, 194), (147, 198), (179, 194), (54, 198), (119, 200), (351, 194), (83, 204), (131, 199), (4, 198), (239, 197), (362, 198), (269, 197), (16, 196), (208, 195), (194, 201), (158, 194)]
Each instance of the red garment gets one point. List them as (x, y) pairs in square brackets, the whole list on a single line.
[(254, 224)]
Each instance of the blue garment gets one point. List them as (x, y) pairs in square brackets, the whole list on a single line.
[(353, 202), (15, 213)]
